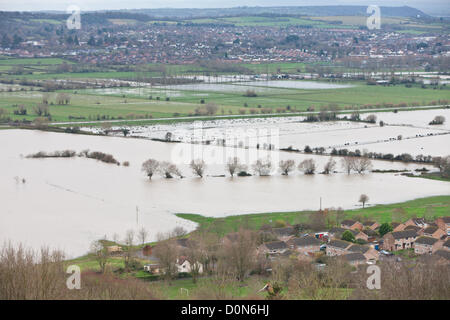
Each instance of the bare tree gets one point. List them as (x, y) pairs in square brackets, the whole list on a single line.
[(239, 255), (179, 231), (286, 166), (371, 118), (167, 253), (211, 109), (142, 235), (233, 165), (195, 254), (438, 120), (198, 167), (129, 243), (168, 170), (41, 109), (262, 167), (308, 166), (348, 164), (443, 164), (363, 199), (150, 167), (362, 164), (101, 254), (330, 166)]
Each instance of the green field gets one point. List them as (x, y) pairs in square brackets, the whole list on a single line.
[(326, 22), (431, 207), (130, 103)]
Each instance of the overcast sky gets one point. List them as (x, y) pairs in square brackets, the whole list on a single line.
[(33, 5)]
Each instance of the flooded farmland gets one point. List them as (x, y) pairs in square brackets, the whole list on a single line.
[(67, 203), (403, 132)]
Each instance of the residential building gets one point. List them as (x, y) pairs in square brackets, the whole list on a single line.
[(373, 225), (434, 232), (420, 222), (184, 265), (398, 226), (284, 234), (305, 245), (274, 247), (369, 253), (399, 240), (354, 258), (337, 247), (444, 224), (425, 245), (352, 224)]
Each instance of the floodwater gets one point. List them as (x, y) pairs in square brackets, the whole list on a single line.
[(292, 84), (259, 86), (404, 132), (67, 203)]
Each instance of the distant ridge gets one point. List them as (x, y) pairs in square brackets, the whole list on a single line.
[(404, 11), (342, 10)]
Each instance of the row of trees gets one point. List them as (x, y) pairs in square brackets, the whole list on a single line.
[(261, 167)]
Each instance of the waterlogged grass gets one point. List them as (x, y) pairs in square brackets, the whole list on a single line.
[(432, 206)]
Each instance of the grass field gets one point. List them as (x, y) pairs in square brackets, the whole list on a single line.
[(128, 103), (432, 206)]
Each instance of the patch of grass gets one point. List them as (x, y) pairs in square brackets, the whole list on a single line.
[(438, 206), (432, 176)]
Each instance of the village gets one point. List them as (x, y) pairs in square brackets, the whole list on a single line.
[(353, 242)]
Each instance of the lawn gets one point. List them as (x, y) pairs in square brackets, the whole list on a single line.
[(432, 206)]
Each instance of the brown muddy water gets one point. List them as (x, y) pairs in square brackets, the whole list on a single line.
[(67, 203)]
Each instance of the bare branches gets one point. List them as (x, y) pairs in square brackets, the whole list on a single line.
[(308, 166), (198, 167), (286, 166), (150, 167)]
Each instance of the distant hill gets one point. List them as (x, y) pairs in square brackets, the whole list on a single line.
[(404, 11)]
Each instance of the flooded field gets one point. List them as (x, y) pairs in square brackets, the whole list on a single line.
[(67, 203), (292, 84), (403, 132)]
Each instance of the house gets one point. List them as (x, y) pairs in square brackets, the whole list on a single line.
[(369, 253), (184, 265), (305, 245), (147, 251), (398, 226), (443, 223), (417, 229), (362, 236), (336, 232), (420, 222), (434, 232), (372, 235), (399, 240), (153, 268), (284, 234), (352, 225), (337, 247), (426, 245), (354, 258), (274, 247), (373, 225)]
